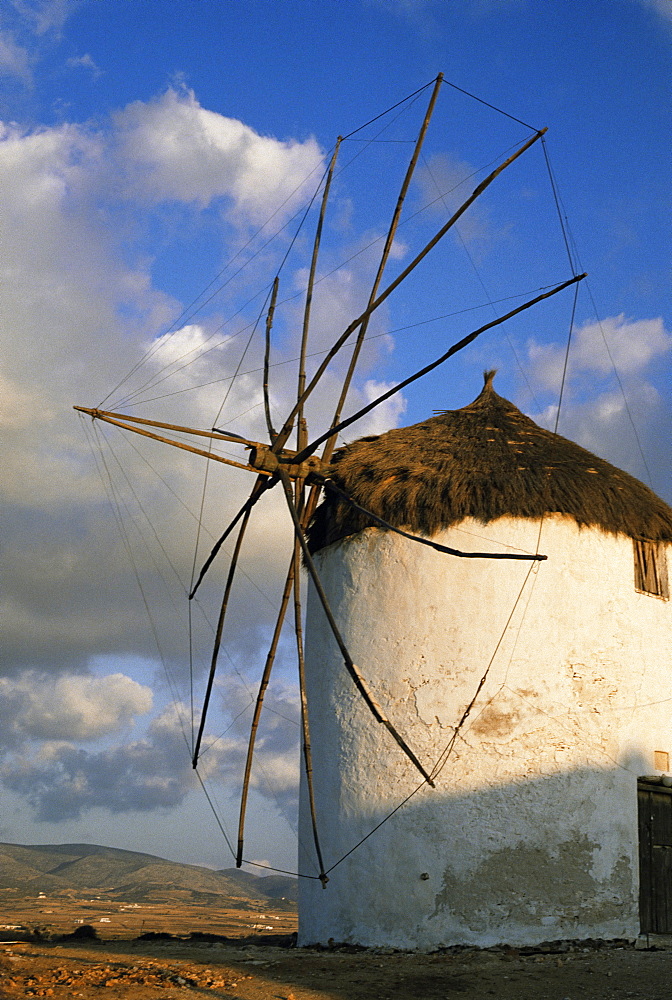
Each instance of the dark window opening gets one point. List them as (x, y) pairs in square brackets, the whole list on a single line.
[(651, 568)]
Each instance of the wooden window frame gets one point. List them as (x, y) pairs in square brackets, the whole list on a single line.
[(651, 568)]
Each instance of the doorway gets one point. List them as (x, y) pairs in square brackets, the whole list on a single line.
[(655, 857)]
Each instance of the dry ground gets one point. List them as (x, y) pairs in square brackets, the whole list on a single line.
[(168, 971), (124, 969)]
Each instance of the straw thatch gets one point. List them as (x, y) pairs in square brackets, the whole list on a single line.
[(484, 461)]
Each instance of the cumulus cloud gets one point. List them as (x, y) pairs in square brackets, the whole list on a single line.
[(174, 149), (612, 403), (445, 182), (29, 25), (72, 707), (62, 781), (45, 16), (14, 58), (383, 417), (78, 311), (662, 7), (84, 62), (81, 305), (276, 769), (627, 345)]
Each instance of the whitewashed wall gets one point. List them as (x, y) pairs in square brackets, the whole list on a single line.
[(531, 832)]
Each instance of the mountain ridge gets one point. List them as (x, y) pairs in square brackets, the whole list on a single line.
[(116, 872)]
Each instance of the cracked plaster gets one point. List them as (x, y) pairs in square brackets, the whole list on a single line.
[(531, 832)]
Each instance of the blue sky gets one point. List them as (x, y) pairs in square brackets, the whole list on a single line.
[(143, 146)]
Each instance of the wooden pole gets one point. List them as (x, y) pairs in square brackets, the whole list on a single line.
[(217, 435), (331, 442), (404, 274), (218, 634), (265, 677), (359, 682), (302, 456), (106, 418), (267, 357)]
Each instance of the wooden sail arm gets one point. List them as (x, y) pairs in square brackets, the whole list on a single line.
[(476, 193), (100, 415), (262, 460), (330, 486), (214, 433), (460, 345), (351, 668), (331, 442), (218, 634)]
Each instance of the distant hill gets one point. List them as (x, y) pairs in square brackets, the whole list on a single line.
[(275, 886), (67, 869)]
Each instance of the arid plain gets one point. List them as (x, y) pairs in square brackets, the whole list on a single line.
[(142, 928)]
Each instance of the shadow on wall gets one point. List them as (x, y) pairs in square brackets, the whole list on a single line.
[(549, 857)]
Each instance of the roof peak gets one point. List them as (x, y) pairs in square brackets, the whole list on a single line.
[(485, 460), (488, 379)]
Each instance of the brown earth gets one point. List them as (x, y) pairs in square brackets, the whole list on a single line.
[(253, 966), (171, 911), (140, 970)]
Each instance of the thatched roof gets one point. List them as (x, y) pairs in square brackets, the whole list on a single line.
[(484, 461)]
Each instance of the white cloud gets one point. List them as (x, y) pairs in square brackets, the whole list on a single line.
[(70, 707), (29, 25), (383, 417), (78, 312), (84, 62), (174, 149), (80, 306), (630, 344), (275, 772), (14, 58), (629, 423), (445, 183), (662, 7), (61, 781), (45, 16)]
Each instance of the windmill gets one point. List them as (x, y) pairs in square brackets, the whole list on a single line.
[(303, 473)]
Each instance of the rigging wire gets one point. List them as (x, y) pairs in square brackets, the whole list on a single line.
[(556, 200), (532, 570), (221, 287), (200, 352), (219, 822), (482, 284), (116, 506), (572, 255), (196, 740), (566, 361), (488, 105), (441, 762), (415, 94), (622, 388), (185, 316), (370, 337), (155, 379), (129, 442)]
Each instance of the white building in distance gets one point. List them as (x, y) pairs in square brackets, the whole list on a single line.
[(532, 832)]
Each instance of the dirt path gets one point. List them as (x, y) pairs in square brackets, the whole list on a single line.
[(151, 970)]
